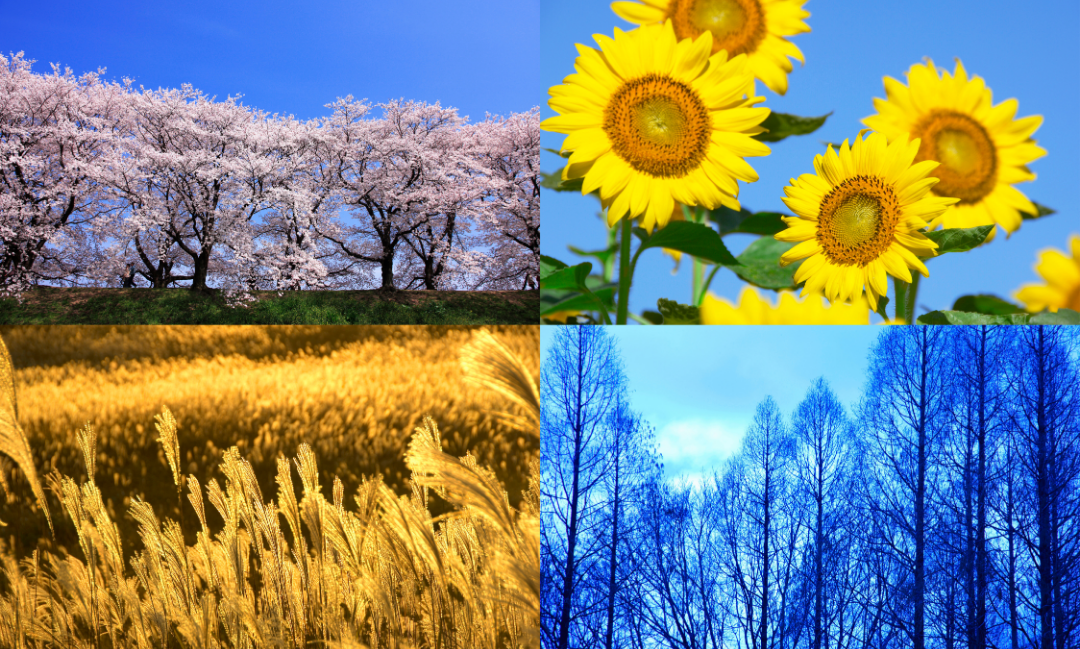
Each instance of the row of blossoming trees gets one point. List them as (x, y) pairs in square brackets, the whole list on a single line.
[(105, 184)]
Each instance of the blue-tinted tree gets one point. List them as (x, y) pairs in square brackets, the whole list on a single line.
[(582, 382)]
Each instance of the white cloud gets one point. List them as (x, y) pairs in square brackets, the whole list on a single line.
[(697, 446)]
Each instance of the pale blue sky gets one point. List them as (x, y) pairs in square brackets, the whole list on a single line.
[(699, 386), (1023, 51)]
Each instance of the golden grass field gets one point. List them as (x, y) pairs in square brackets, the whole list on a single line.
[(124, 425)]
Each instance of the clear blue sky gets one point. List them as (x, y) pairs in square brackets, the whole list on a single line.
[(293, 58), (699, 386), (1027, 51)]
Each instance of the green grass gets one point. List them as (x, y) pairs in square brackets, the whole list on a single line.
[(45, 305)]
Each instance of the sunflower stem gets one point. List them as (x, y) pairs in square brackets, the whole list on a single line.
[(700, 297), (626, 271), (913, 294), (900, 292), (698, 277), (698, 281)]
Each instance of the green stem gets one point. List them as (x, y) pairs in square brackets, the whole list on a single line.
[(900, 292), (698, 277), (697, 280), (626, 271), (913, 294), (699, 298)]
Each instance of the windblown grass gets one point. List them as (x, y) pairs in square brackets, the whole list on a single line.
[(382, 572), (353, 394)]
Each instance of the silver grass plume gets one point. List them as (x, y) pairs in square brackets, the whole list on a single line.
[(13, 442), (487, 363), (166, 426)]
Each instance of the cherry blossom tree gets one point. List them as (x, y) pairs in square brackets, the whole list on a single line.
[(194, 175), (509, 149), (55, 132), (395, 175)]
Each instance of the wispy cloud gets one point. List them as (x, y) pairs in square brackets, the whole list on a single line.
[(694, 447)]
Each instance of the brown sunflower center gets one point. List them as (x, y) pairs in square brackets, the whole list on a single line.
[(737, 26), (967, 155), (857, 220), (658, 125)]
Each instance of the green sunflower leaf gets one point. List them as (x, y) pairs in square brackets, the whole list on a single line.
[(549, 265), (760, 264), (554, 181), (678, 314), (1040, 211), (959, 239), (573, 289), (746, 222), (728, 219), (985, 304), (782, 125), (559, 153), (693, 239), (570, 277), (1063, 316), (606, 257), (764, 223), (581, 302), (653, 316)]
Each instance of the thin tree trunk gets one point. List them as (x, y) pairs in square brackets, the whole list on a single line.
[(765, 569), (614, 553), (1046, 562), (920, 507), (980, 524), (568, 575), (818, 561), (1014, 622)]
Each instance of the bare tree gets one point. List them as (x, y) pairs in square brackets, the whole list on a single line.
[(1047, 422), (824, 432), (904, 411), (582, 383), (630, 468), (768, 450)]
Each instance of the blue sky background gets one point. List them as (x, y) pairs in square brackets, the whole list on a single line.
[(1023, 51), (699, 386), (294, 58)]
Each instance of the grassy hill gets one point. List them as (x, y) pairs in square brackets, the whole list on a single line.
[(45, 305)]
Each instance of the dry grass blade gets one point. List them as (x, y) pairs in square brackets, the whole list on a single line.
[(13, 440), (87, 440), (490, 364), (463, 484), (166, 426)]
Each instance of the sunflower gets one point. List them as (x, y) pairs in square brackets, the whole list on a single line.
[(755, 28), (753, 310), (859, 217), (983, 151), (1062, 275), (651, 121)]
